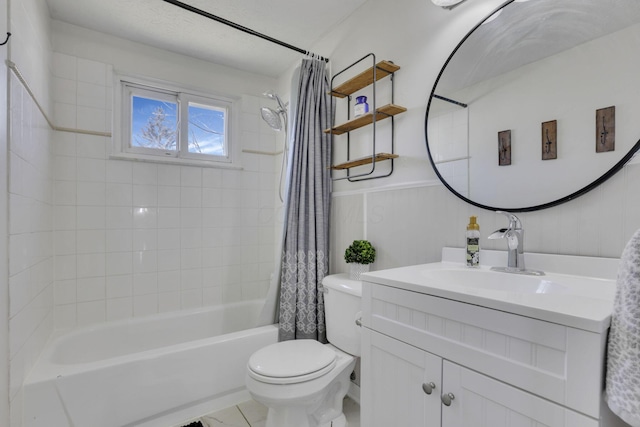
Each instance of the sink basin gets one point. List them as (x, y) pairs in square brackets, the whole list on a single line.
[(493, 281), (575, 291)]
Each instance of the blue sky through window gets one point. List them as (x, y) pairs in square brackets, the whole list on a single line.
[(148, 129), (206, 130), (154, 124)]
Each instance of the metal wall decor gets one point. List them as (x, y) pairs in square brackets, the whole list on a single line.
[(550, 140), (504, 148), (606, 129)]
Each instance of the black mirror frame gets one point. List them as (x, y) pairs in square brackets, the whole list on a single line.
[(616, 168)]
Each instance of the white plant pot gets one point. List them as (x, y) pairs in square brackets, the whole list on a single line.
[(356, 270)]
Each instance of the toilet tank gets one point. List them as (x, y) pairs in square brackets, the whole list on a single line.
[(342, 307)]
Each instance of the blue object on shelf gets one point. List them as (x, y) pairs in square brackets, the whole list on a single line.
[(361, 106)]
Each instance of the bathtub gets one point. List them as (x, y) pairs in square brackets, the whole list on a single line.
[(155, 371)]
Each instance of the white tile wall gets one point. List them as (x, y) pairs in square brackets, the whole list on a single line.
[(134, 238), (87, 251), (31, 262)]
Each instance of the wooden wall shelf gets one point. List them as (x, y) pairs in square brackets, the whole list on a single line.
[(364, 161), (364, 79), (383, 112), (377, 71)]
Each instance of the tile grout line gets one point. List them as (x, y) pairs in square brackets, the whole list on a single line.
[(243, 416)]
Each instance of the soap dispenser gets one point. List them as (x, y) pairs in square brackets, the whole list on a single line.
[(473, 243)]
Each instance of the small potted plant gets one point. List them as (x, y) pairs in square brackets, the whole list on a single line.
[(359, 256)]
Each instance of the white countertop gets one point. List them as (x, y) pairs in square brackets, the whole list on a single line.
[(561, 296)]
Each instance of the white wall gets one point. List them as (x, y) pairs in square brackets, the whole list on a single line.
[(30, 197), (410, 216), (4, 225), (135, 238)]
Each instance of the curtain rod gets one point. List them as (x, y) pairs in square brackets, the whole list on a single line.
[(243, 29)]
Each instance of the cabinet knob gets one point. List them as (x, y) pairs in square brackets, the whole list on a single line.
[(428, 387), (447, 398)]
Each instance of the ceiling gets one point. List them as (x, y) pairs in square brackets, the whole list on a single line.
[(529, 31), (160, 24)]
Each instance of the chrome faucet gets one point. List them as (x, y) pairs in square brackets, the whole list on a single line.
[(515, 239)]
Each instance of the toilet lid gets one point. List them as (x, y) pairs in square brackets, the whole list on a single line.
[(292, 361)]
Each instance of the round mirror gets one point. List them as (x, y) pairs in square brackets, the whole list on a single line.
[(538, 104)]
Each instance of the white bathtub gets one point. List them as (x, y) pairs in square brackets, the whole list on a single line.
[(154, 371)]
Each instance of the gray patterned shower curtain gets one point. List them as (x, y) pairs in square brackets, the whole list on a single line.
[(305, 254)]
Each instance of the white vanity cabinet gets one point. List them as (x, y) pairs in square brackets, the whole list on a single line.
[(402, 386), (494, 368)]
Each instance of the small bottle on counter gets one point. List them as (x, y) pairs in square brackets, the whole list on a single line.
[(473, 243), (361, 107)]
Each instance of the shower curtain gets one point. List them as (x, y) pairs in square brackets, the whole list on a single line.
[(305, 253)]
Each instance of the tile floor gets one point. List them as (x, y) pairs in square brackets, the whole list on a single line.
[(253, 414)]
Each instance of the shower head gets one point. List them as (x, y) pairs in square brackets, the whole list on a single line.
[(272, 95), (272, 118), (269, 94)]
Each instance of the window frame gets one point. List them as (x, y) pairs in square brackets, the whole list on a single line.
[(131, 90), (128, 86), (187, 98)]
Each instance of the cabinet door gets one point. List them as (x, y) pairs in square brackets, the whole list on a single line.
[(481, 401), (396, 380)]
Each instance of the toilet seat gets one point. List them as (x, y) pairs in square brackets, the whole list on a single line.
[(291, 362)]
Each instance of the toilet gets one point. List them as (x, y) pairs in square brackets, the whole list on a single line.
[(303, 382)]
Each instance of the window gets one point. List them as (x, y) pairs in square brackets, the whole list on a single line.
[(171, 125)]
